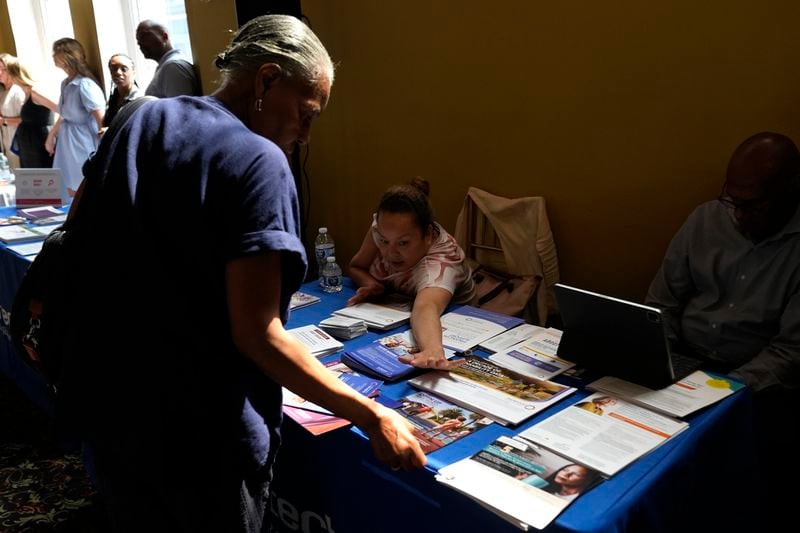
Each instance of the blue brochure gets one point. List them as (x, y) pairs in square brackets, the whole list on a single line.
[(379, 358), (376, 360), (362, 384)]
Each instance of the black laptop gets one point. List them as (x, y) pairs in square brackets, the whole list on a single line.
[(618, 338)]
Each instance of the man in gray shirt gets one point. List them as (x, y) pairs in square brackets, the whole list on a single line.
[(730, 282), (729, 288), (175, 75)]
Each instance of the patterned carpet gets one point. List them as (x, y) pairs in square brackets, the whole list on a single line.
[(42, 489)]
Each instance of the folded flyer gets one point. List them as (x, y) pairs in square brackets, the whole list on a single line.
[(466, 327), (492, 390)]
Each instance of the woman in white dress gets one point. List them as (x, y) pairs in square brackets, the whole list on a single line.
[(11, 101)]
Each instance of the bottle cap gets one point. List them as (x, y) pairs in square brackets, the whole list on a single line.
[(331, 259), (323, 230)]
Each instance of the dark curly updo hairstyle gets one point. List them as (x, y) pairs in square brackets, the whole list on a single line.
[(411, 198)]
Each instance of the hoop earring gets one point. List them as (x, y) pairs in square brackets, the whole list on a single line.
[(258, 104)]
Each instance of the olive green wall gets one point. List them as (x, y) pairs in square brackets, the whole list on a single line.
[(6, 37), (211, 23), (621, 114), (83, 24)]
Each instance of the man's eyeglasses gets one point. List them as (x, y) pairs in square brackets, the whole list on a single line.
[(743, 206)]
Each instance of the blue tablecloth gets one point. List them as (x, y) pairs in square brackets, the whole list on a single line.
[(12, 268), (703, 479)]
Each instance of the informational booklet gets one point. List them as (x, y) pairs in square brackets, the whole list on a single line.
[(466, 327), (318, 342), (694, 392), (35, 213), (45, 229), (28, 249), (380, 357), (344, 327), (524, 483), (379, 316), (604, 432), (437, 422), (367, 386), (535, 357), (492, 390), (313, 422), (7, 221), (302, 299), (19, 233), (509, 338)]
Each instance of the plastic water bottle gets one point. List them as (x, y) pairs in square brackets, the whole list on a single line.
[(331, 276), (323, 248), (5, 169)]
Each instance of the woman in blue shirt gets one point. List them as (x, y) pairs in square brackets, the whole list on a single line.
[(81, 108)]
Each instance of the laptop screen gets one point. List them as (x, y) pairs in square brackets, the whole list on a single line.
[(614, 337)]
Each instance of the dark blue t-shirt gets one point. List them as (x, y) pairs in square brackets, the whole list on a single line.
[(188, 189)]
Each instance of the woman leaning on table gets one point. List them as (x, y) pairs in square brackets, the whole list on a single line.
[(407, 251)]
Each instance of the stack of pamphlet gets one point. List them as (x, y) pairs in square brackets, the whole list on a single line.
[(316, 340), (466, 327), (479, 384), (379, 358), (437, 423), (516, 335), (344, 327), (535, 357), (694, 392), (302, 299), (8, 221), (43, 215), (318, 420), (523, 478), (385, 315), (27, 249), (18, 233)]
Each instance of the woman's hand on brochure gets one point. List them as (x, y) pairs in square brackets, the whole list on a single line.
[(431, 358), (392, 441), (367, 292)]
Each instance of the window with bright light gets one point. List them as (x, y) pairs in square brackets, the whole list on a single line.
[(36, 25), (117, 33)]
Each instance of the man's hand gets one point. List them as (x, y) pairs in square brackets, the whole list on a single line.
[(392, 441), (366, 292)]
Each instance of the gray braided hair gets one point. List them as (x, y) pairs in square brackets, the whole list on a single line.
[(279, 39)]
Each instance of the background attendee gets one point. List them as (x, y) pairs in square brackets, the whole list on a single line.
[(730, 282), (11, 99), (405, 250), (569, 481), (175, 75), (729, 287), (35, 118), (178, 378), (80, 107), (123, 75)]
